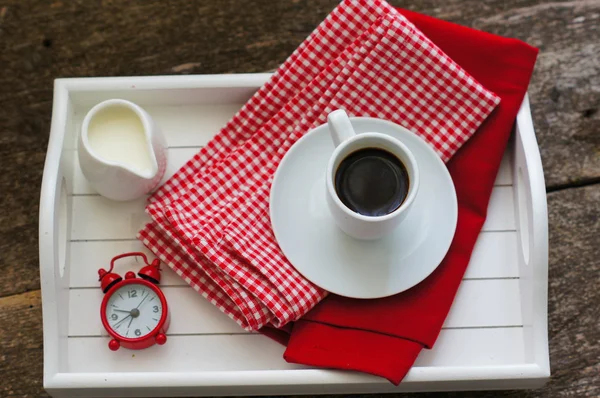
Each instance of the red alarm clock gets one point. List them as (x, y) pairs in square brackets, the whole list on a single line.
[(134, 310)]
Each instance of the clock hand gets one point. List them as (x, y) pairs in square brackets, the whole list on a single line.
[(129, 312), (131, 320), (144, 299), (118, 323)]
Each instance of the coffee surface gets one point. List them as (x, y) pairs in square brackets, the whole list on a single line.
[(372, 182)]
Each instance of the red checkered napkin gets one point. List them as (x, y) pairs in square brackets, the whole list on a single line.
[(210, 221)]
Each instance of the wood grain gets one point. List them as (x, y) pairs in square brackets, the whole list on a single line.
[(43, 40), (21, 345)]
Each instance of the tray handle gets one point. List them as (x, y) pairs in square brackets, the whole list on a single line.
[(530, 192), (54, 236), (532, 229)]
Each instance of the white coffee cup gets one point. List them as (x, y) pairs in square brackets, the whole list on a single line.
[(347, 142)]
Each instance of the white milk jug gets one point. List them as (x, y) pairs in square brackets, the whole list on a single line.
[(122, 152)]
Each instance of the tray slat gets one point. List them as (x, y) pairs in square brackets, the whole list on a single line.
[(501, 210), (179, 155), (467, 347), (98, 218), (494, 256), (189, 127), (478, 303)]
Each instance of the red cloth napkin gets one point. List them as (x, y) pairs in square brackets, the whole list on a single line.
[(385, 336), (210, 221)]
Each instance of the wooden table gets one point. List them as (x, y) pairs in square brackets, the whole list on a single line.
[(44, 40)]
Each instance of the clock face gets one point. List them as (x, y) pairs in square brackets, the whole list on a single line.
[(133, 310)]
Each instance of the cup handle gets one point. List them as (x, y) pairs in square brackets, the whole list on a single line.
[(340, 126)]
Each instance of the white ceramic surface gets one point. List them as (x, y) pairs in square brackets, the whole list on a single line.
[(347, 141), (310, 239), (118, 181)]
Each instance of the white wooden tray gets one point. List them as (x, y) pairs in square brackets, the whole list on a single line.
[(495, 336)]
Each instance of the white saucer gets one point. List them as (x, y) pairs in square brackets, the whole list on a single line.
[(329, 258)]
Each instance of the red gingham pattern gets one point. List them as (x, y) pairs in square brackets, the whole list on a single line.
[(325, 43), (199, 273), (210, 221)]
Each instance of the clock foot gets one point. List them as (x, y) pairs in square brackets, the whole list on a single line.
[(113, 345), (161, 339)]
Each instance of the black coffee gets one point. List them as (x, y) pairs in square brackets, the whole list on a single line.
[(372, 182)]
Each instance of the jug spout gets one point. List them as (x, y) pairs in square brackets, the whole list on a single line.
[(122, 152)]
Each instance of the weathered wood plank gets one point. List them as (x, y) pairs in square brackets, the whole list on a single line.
[(565, 88), (21, 346), (574, 297)]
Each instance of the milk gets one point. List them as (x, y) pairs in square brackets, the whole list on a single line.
[(116, 134), (121, 150)]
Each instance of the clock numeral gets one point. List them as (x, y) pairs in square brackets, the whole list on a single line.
[(155, 308), (138, 332), (132, 293), (114, 317)]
